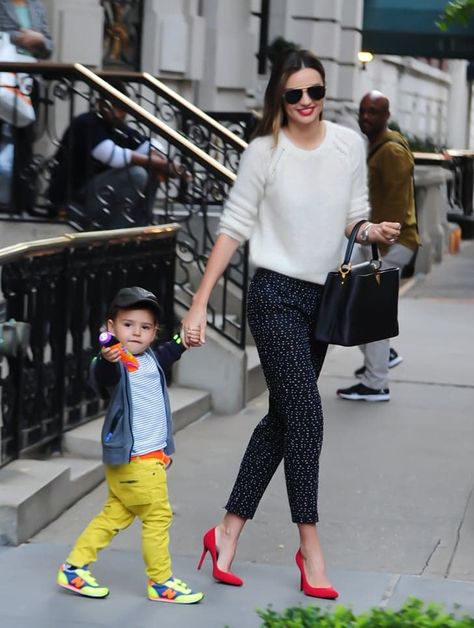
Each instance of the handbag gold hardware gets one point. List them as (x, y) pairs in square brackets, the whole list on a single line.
[(344, 270)]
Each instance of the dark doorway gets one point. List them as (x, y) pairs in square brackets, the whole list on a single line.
[(123, 21)]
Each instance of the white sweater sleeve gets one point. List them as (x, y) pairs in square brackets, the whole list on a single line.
[(359, 205), (241, 208), (111, 154)]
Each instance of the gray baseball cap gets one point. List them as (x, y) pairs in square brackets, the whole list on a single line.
[(135, 296)]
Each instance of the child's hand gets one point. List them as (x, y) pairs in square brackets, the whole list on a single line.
[(193, 326), (193, 336), (110, 354)]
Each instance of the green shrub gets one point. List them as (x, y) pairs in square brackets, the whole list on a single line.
[(417, 143), (413, 614)]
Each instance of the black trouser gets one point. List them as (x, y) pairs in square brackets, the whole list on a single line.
[(25, 176), (281, 311)]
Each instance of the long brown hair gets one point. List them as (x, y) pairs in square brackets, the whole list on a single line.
[(274, 116)]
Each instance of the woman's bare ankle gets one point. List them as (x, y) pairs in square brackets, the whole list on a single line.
[(315, 569), (227, 536)]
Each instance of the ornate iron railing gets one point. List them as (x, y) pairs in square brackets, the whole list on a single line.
[(194, 200), (221, 135), (62, 288)]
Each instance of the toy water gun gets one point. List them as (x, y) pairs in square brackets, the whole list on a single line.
[(107, 339)]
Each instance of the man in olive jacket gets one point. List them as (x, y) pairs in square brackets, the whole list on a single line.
[(391, 194)]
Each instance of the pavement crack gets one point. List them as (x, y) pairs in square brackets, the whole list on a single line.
[(389, 590), (424, 383), (458, 533), (413, 382), (430, 556)]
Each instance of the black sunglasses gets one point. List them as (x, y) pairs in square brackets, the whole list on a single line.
[(315, 92)]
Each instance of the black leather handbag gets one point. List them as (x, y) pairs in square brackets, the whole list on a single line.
[(360, 302)]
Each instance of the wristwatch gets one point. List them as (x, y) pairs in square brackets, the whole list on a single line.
[(364, 235)]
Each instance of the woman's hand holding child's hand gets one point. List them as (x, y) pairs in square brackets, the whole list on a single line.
[(192, 337), (193, 327)]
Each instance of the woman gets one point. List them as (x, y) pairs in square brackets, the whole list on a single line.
[(301, 185), (25, 21)]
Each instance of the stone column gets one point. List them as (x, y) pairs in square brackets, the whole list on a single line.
[(458, 105), (350, 70), (230, 64), (77, 31), (173, 41)]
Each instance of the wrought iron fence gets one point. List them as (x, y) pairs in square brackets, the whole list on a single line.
[(62, 288), (192, 196), (221, 135), (240, 123)]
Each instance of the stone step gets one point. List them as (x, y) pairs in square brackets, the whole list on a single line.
[(17, 231), (35, 492)]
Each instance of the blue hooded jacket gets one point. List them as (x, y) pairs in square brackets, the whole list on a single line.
[(110, 380)]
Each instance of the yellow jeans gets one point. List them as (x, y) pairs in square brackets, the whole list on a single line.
[(137, 489)]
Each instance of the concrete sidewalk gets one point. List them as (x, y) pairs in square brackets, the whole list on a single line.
[(396, 496)]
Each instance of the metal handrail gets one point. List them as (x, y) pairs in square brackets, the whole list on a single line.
[(75, 240)]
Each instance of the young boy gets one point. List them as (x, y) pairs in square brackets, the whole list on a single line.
[(137, 440)]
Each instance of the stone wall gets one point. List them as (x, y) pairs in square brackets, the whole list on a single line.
[(206, 49)]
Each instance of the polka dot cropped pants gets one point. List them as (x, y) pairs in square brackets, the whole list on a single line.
[(281, 311)]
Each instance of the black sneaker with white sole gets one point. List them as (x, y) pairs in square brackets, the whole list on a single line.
[(393, 360), (359, 392)]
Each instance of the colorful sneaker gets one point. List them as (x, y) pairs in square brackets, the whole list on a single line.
[(173, 590), (80, 581), (359, 392)]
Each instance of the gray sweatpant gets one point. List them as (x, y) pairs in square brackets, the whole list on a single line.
[(376, 354)]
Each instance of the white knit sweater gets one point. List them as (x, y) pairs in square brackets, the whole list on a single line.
[(294, 204)]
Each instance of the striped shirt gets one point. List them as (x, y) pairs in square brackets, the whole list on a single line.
[(148, 408)]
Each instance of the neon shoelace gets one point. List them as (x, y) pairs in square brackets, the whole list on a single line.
[(91, 579)]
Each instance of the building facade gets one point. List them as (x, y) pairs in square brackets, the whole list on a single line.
[(208, 51)]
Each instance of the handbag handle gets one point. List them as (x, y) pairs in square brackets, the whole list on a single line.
[(351, 242)]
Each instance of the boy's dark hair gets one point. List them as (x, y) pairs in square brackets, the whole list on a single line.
[(134, 298)]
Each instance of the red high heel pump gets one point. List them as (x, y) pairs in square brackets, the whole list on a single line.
[(209, 545), (328, 593)]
